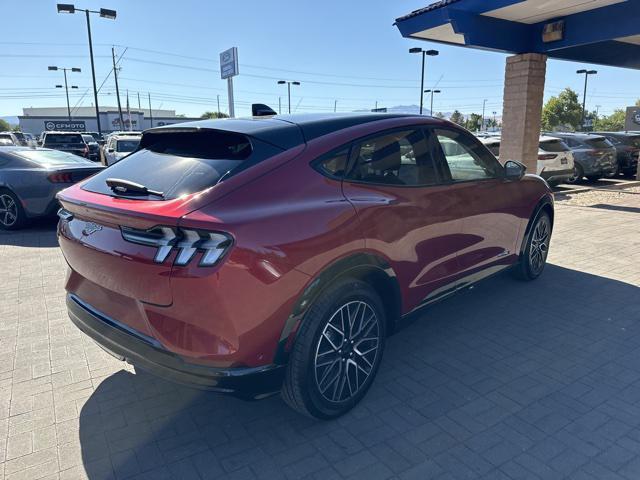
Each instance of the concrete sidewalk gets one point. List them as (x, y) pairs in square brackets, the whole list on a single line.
[(506, 381)]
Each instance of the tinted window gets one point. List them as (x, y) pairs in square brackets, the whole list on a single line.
[(5, 136), (335, 163), (60, 138), (465, 158), (50, 157), (633, 141), (554, 146), (180, 163), (88, 139), (398, 158), (127, 145), (598, 142)]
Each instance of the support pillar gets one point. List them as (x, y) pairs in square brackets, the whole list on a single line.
[(522, 108)]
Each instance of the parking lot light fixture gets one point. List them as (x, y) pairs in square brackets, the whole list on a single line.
[(66, 88), (288, 83), (586, 74), (432, 92), (431, 53), (104, 13)]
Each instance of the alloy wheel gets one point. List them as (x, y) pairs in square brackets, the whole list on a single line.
[(346, 351), (8, 210), (539, 248)]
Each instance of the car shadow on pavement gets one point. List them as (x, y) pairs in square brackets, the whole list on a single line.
[(39, 232), (521, 365)]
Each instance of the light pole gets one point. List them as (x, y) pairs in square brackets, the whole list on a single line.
[(431, 53), (432, 92), (66, 87), (584, 96), (289, 83), (104, 13), (495, 124)]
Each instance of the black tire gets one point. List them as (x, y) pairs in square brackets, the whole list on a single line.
[(302, 388), (594, 178), (578, 174), (12, 215), (527, 267)]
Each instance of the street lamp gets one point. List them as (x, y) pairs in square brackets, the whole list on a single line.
[(584, 96), (289, 83), (432, 92), (484, 105), (66, 87), (104, 13), (431, 53)]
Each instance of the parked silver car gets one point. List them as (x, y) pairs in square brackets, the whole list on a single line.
[(594, 155), (30, 179)]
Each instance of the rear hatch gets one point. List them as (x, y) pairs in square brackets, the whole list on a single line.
[(554, 155), (66, 142), (604, 151), (114, 232)]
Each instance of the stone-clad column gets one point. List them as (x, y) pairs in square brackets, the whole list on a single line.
[(522, 108)]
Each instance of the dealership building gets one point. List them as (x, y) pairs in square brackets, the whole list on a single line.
[(83, 119)]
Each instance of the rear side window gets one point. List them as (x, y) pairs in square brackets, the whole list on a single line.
[(554, 146), (397, 158), (61, 138), (598, 142), (183, 162), (335, 163)]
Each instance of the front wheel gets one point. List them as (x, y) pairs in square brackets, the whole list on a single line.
[(534, 256), (338, 351)]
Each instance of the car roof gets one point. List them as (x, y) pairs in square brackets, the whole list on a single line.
[(285, 131), (578, 136), (126, 137), (614, 134)]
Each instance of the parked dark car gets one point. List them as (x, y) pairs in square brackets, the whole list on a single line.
[(593, 155), (71, 142), (99, 138), (251, 256), (94, 147), (627, 145), (31, 177)]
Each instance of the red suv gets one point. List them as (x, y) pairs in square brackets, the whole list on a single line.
[(251, 256)]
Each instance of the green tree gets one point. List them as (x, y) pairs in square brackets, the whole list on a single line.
[(562, 111), (214, 115), (457, 117), (613, 122), (4, 125), (439, 115), (638, 103), (473, 122)]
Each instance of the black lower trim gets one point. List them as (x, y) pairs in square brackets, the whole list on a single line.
[(142, 351)]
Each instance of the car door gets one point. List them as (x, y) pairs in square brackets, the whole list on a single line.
[(488, 205), (405, 212)]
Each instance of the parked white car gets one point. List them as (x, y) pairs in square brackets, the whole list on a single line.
[(117, 147), (555, 159)]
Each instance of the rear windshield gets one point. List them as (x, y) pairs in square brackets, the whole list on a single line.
[(60, 138), (51, 157), (5, 136), (88, 138), (182, 162), (554, 146), (598, 142), (127, 145)]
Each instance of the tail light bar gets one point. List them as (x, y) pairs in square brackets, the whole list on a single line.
[(547, 156), (60, 177), (213, 245)]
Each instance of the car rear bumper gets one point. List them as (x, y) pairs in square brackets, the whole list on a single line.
[(142, 351), (557, 175)]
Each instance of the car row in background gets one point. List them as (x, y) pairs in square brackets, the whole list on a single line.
[(570, 157), (555, 158), (118, 145), (30, 177)]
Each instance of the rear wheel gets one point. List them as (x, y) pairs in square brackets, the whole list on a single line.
[(12, 214), (338, 351), (534, 257), (578, 173)]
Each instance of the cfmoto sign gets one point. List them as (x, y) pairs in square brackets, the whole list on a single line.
[(74, 126)]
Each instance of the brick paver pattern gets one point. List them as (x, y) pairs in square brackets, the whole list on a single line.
[(508, 380)]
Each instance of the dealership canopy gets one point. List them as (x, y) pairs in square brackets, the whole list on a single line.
[(605, 32)]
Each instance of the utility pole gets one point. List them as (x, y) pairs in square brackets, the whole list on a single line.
[(128, 110), (279, 105), (218, 103), (376, 105), (93, 73), (115, 76), (484, 104), (150, 112), (335, 106)]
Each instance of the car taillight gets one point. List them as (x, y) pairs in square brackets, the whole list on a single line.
[(547, 156), (59, 177), (213, 245), (86, 151)]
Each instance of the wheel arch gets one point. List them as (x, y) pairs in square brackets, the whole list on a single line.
[(545, 204), (367, 267)]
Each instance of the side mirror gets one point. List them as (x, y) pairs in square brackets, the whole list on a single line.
[(514, 170)]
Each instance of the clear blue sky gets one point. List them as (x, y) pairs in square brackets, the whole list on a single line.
[(346, 50)]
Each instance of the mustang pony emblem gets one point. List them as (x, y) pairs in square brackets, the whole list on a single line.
[(91, 228)]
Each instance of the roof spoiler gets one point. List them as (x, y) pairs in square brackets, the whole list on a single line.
[(262, 110)]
